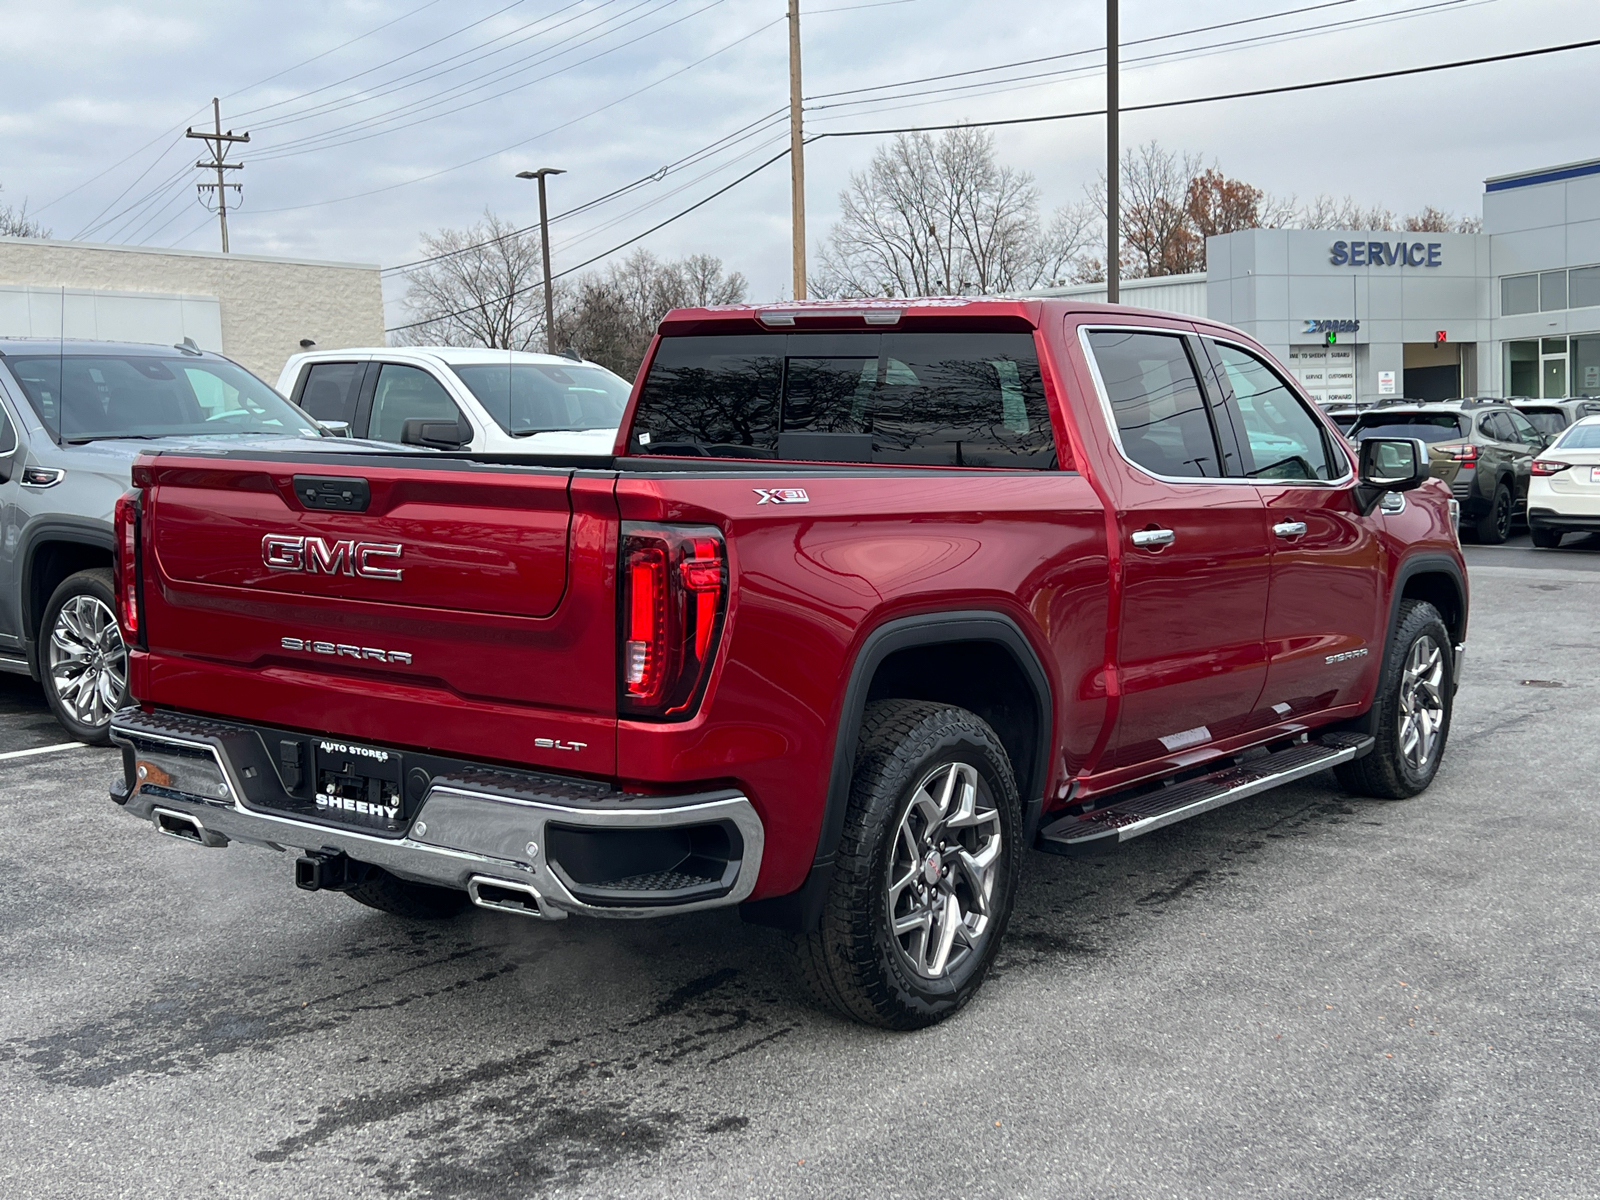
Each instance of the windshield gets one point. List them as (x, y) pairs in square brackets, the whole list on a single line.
[(1429, 427), (1580, 437), (529, 398), (82, 397), (1545, 420)]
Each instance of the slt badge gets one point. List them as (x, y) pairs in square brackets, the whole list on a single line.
[(314, 556)]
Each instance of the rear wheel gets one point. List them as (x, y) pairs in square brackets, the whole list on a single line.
[(402, 898), (83, 663), (926, 870), (1411, 717), (1545, 539), (1494, 526)]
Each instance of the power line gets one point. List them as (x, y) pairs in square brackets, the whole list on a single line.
[(606, 253), (1271, 91)]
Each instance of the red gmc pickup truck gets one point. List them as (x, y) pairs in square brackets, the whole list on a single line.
[(870, 598)]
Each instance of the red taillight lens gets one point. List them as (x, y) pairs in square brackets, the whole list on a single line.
[(1465, 452), (674, 590), (1541, 467), (125, 570)]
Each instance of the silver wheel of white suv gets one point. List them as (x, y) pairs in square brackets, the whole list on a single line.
[(83, 661)]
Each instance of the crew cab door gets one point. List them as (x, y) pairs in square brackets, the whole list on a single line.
[(1194, 555), (1324, 632)]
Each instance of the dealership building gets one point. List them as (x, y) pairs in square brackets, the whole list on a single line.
[(1359, 315)]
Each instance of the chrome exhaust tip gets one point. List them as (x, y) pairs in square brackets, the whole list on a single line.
[(505, 895), (186, 828)]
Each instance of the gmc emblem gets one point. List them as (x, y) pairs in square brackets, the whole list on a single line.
[(314, 556)]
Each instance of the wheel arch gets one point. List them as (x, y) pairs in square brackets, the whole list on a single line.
[(53, 550), (914, 658)]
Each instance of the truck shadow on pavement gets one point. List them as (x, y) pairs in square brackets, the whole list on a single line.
[(492, 1057)]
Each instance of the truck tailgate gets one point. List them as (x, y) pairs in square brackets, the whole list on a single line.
[(461, 608)]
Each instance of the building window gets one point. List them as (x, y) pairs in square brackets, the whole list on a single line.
[(1522, 367), (1585, 358), (1519, 294), (1583, 290), (1552, 291)]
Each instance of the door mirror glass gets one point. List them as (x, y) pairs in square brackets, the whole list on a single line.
[(1394, 464)]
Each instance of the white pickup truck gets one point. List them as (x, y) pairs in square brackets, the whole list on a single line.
[(450, 398)]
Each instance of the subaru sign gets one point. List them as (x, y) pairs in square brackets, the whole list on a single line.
[(1386, 254)]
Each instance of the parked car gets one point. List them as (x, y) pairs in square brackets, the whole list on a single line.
[(1550, 417), (1564, 494), (73, 417), (874, 597), (485, 401), (1483, 449)]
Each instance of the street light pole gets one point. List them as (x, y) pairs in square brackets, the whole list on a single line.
[(797, 158), (1113, 137), (544, 250)]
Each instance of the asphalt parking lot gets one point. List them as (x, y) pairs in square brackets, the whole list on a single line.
[(1303, 994)]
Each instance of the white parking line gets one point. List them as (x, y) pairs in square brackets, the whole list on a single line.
[(44, 750)]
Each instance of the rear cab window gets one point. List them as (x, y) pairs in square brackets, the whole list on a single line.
[(331, 389), (1157, 402), (891, 399)]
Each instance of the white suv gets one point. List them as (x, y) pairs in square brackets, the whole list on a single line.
[(488, 401)]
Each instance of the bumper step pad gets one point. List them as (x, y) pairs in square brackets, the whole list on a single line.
[(1125, 819)]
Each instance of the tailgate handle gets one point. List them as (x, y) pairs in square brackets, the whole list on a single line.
[(333, 493)]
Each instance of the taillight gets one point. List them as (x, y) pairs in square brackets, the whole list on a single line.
[(125, 570), (1541, 467), (1465, 452), (674, 591)]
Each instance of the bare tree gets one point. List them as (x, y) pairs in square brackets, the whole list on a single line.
[(612, 315), (15, 222), (1436, 220), (483, 288), (1156, 232), (941, 216)]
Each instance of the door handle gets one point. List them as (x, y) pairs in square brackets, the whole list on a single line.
[(1154, 538), (1290, 529)]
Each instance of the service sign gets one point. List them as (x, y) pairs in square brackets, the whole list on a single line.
[(1387, 254)]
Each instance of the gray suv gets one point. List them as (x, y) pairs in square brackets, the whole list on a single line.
[(1482, 448), (73, 417)]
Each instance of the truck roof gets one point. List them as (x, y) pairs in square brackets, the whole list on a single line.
[(971, 312)]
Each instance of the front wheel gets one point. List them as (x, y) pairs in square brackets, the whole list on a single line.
[(83, 663), (1411, 714), (926, 871)]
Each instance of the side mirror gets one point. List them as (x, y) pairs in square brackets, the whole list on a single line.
[(440, 435), (1390, 465), (335, 428)]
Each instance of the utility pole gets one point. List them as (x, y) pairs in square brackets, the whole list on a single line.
[(217, 142), (797, 154), (1113, 140), (544, 250)]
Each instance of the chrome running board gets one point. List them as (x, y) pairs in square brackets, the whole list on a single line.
[(1121, 820)]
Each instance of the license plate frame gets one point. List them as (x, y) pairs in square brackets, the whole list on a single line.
[(358, 785)]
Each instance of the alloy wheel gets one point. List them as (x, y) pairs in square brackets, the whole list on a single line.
[(1502, 515), (88, 662), (1421, 703), (943, 869)]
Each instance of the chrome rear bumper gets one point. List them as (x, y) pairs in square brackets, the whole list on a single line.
[(475, 827)]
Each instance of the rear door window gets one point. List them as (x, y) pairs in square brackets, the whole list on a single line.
[(1157, 403), (902, 399), (331, 390)]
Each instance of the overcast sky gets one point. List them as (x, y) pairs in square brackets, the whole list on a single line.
[(375, 120)]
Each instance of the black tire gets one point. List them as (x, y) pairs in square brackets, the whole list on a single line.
[(402, 898), (1494, 526), (853, 963), (85, 676), (1544, 538), (1389, 772)]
